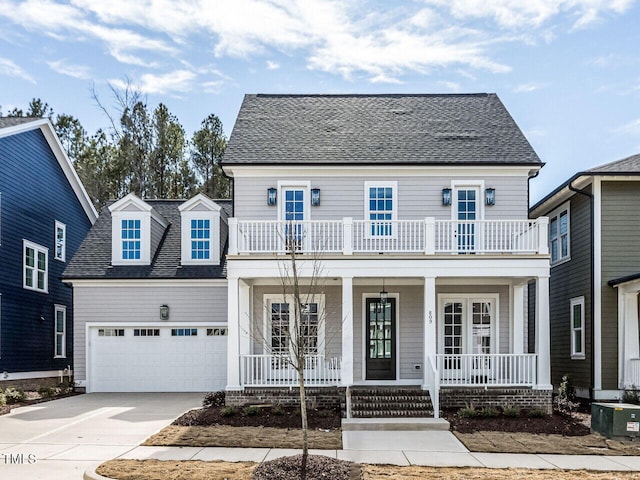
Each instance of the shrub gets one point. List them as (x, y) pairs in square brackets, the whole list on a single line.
[(250, 410), (488, 412), (566, 394), (14, 395), (228, 411), (213, 399), (537, 413), (46, 392), (631, 396), (278, 409), (511, 411), (468, 412), (3, 399)]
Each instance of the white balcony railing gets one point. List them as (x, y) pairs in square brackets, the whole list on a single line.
[(273, 370), (497, 370), (426, 236), (632, 379)]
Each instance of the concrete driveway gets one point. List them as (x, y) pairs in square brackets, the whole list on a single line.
[(60, 439)]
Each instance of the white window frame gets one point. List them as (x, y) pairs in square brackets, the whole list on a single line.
[(556, 215), (574, 302), (60, 226), (56, 333), (293, 184), (268, 299), (200, 207), (37, 249), (394, 207)]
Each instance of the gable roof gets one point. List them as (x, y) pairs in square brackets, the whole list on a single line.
[(16, 125), (446, 129), (93, 258), (626, 166)]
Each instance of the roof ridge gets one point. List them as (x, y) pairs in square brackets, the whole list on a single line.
[(357, 95)]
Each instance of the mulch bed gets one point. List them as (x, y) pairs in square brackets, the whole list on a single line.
[(552, 424), (282, 417), (318, 468), (5, 409)]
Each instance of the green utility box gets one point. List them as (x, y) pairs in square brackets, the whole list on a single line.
[(616, 419)]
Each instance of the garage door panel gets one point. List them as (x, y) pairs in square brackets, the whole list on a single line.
[(163, 363)]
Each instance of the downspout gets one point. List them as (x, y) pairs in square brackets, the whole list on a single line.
[(529, 189), (592, 267), (233, 189)]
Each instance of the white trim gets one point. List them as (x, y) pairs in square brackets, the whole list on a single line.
[(566, 206), (145, 282), (597, 285), (573, 302), (214, 236), (59, 308), (363, 367), (394, 203), (37, 249), (291, 184), (63, 227), (459, 184), (29, 375), (607, 395)]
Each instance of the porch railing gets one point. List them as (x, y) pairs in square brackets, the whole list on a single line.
[(499, 370), (633, 376), (276, 371), (426, 236), (433, 384)]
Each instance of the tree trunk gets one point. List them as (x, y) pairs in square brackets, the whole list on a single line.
[(305, 425)]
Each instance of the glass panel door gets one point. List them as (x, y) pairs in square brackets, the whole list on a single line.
[(467, 200), (453, 325), (294, 215), (381, 357)]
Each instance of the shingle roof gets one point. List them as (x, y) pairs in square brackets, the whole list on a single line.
[(626, 165), (442, 129), (13, 121), (93, 258)]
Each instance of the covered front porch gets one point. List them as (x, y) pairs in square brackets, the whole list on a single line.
[(447, 332)]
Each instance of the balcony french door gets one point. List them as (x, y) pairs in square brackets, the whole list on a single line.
[(467, 212), (293, 212)]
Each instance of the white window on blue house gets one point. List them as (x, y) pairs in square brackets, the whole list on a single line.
[(577, 328), (559, 244), (60, 241), (381, 208), (130, 239), (200, 239), (60, 326), (35, 267)]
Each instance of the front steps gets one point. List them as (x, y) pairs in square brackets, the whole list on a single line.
[(390, 402)]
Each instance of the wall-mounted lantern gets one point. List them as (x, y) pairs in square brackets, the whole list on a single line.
[(272, 195), (315, 197), (384, 296), (164, 312), (446, 196), (490, 196)]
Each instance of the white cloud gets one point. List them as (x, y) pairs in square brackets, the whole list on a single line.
[(631, 128), (272, 65), (528, 87), (76, 71), (172, 82), (451, 86), (11, 69)]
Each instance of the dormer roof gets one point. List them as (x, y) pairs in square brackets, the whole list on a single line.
[(199, 202), (132, 203)]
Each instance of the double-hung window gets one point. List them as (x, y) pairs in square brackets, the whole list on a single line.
[(35, 266), (60, 318), (577, 327), (381, 208), (200, 239), (130, 239), (559, 246)]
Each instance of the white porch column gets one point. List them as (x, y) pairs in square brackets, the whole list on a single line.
[(244, 317), (346, 370), (518, 318), (429, 340), (631, 346), (233, 342), (233, 235), (543, 341)]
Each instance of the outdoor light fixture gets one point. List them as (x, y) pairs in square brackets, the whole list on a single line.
[(164, 312), (315, 197), (446, 196), (272, 195), (383, 295), (490, 196)]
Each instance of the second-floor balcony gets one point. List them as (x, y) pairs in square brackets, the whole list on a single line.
[(426, 236)]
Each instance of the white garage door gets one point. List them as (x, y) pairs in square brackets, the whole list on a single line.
[(157, 359)]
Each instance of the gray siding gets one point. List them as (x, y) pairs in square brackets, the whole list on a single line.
[(620, 257), (141, 304), (418, 197), (569, 280)]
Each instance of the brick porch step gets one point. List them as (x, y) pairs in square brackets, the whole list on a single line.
[(390, 402)]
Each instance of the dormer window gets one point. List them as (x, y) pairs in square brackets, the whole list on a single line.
[(136, 230), (200, 231)]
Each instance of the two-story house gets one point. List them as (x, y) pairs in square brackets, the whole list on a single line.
[(595, 278), (44, 215), (415, 210), (150, 297)]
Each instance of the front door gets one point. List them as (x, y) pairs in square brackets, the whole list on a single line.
[(467, 202), (381, 339)]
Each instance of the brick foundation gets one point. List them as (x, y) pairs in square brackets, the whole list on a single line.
[(32, 384), (496, 397), (323, 398)]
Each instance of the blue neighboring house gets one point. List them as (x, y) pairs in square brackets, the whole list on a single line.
[(45, 213)]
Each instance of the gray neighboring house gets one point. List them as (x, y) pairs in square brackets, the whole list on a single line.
[(418, 208), (594, 241), (150, 297)]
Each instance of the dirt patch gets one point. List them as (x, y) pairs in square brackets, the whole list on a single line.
[(257, 437), (319, 467), (258, 416), (196, 470)]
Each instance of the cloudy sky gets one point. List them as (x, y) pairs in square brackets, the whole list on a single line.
[(567, 70)]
